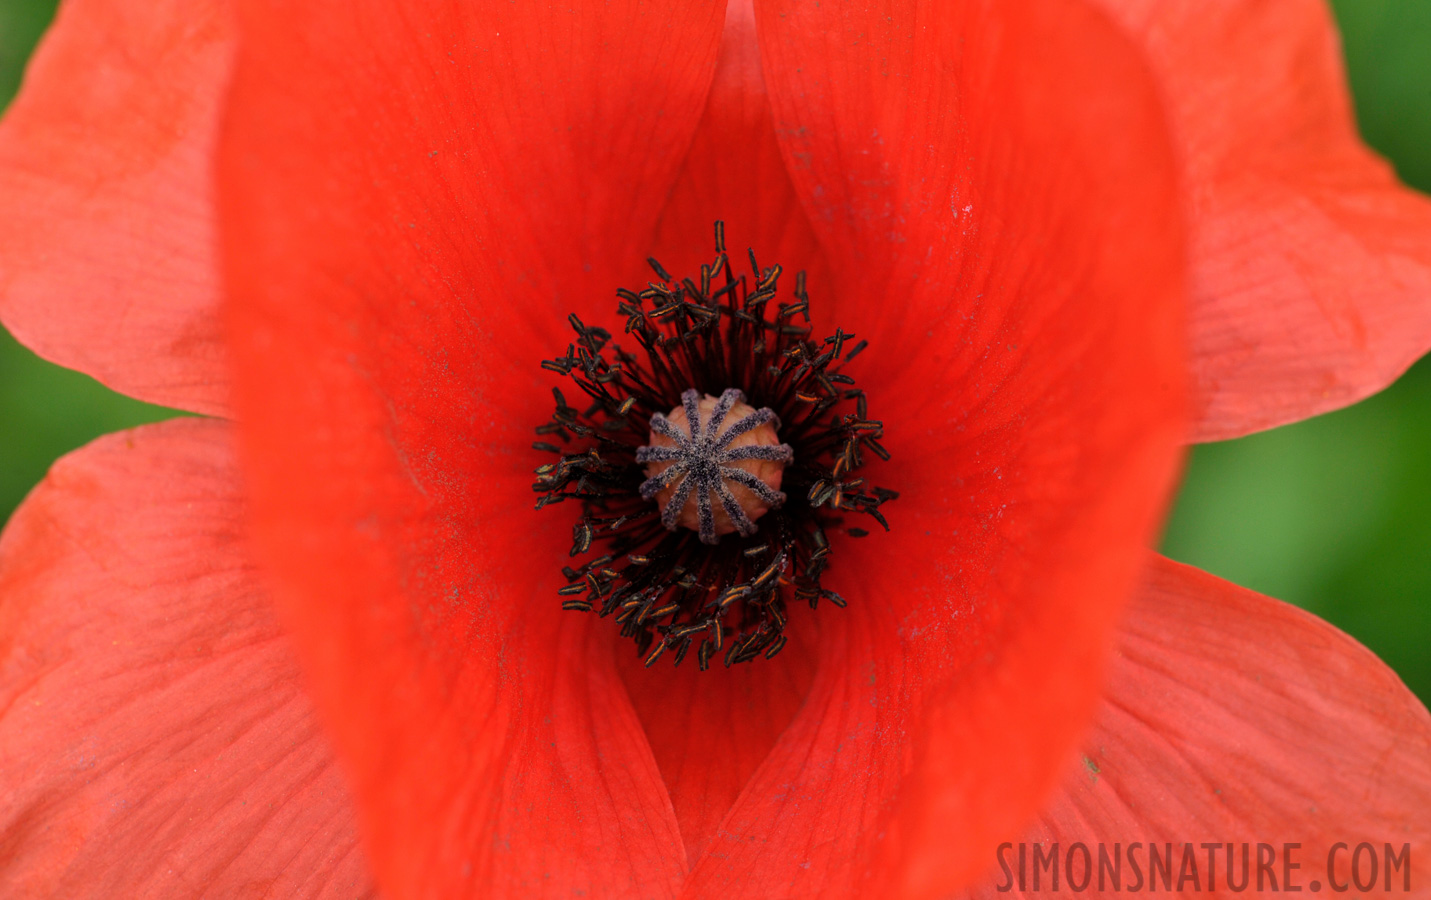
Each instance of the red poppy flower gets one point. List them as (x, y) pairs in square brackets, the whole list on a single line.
[(408, 204)]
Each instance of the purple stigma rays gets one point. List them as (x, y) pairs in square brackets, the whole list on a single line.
[(695, 461)]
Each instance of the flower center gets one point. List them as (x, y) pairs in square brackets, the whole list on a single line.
[(738, 529), (714, 465)]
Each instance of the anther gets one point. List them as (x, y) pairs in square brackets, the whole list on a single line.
[(714, 465)]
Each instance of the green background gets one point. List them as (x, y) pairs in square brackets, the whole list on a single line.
[(1333, 514)]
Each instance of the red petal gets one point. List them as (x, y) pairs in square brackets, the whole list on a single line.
[(995, 196), (413, 205), (1232, 717), (156, 739), (733, 171), (108, 262), (710, 734), (1311, 264)]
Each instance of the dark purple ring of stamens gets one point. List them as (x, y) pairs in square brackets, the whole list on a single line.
[(669, 590)]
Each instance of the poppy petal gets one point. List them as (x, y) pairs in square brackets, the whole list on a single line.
[(734, 172), (108, 259), (413, 204), (156, 738), (995, 195), (1233, 718), (1311, 264), (708, 734)]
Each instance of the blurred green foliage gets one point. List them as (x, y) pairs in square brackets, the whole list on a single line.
[(1388, 50), (21, 23), (1331, 514)]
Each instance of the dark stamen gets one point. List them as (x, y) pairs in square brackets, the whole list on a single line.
[(667, 585)]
